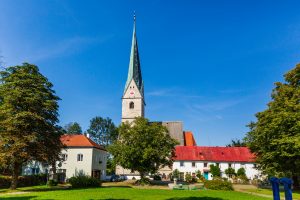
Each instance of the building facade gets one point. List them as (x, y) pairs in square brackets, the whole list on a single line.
[(80, 156), (190, 159)]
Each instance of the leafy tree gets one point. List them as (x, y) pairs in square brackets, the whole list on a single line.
[(188, 177), (110, 166), (103, 131), (237, 143), (73, 128), (275, 136), (241, 172), (198, 174), (176, 173), (215, 171), (143, 146), (229, 172), (28, 114)]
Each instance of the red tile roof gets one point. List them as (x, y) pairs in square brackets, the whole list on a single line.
[(189, 139), (79, 140), (216, 154)]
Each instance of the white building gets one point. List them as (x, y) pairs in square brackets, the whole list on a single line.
[(190, 159), (80, 155)]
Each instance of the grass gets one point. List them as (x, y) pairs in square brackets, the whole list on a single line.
[(296, 194), (125, 192)]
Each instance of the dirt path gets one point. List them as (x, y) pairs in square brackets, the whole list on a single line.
[(243, 188)]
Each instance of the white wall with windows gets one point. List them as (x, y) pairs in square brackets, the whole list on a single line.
[(83, 161), (204, 167)]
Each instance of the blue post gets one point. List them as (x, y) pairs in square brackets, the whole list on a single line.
[(287, 183), (275, 187)]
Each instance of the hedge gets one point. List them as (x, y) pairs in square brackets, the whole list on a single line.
[(218, 185), (24, 181), (83, 181)]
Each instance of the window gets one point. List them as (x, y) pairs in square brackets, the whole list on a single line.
[(254, 165), (205, 164), (229, 164), (64, 157), (193, 164), (131, 105), (79, 157), (181, 163), (217, 164)]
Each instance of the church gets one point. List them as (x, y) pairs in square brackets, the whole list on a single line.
[(189, 157)]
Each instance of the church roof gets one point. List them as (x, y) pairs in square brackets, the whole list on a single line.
[(215, 154), (79, 141), (134, 71)]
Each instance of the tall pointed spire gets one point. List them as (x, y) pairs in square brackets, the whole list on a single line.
[(134, 71)]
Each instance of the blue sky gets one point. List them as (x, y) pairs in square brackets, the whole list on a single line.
[(210, 64)]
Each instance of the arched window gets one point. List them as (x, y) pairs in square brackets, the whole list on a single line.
[(131, 105), (79, 157)]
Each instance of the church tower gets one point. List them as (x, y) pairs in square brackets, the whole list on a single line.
[(133, 102)]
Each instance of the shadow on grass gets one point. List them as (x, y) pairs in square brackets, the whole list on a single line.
[(117, 186), (109, 199), (23, 198), (194, 198)]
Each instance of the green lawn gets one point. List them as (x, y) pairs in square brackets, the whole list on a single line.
[(118, 193)]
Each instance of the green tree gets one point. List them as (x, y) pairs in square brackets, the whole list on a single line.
[(73, 128), (175, 174), (198, 174), (110, 166), (237, 143), (28, 114), (143, 146), (275, 137), (241, 172), (103, 131), (230, 172), (215, 171)]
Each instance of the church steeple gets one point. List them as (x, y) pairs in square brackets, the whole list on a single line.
[(134, 71), (133, 102)]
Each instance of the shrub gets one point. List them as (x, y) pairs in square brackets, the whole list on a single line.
[(241, 172), (24, 181), (218, 185), (83, 181), (5, 181), (143, 181), (52, 183), (188, 177), (157, 177)]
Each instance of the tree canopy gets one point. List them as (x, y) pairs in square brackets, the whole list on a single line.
[(215, 170), (275, 136), (236, 143), (73, 128), (143, 146), (28, 117), (103, 131)]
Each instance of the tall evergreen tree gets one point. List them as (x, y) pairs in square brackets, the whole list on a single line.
[(28, 114), (275, 136)]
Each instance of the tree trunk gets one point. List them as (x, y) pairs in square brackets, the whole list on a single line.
[(15, 175)]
